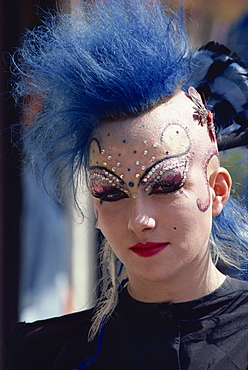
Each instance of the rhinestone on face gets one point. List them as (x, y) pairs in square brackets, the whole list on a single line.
[(105, 164), (145, 152), (109, 178), (148, 188), (103, 151), (109, 157), (135, 196), (118, 164), (143, 168), (153, 159), (155, 145), (137, 175), (137, 163), (121, 176), (145, 141), (183, 163), (113, 169)]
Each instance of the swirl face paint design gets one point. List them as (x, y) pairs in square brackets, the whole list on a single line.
[(203, 206)]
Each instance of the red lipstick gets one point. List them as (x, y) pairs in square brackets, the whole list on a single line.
[(148, 249)]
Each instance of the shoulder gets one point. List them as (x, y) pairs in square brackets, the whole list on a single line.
[(233, 296), (234, 291), (236, 286), (41, 342)]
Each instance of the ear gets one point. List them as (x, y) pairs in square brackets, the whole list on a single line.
[(220, 185)]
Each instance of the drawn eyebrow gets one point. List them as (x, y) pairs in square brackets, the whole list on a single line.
[(121, 182), (97, 141), (149, 169), (100, 168)]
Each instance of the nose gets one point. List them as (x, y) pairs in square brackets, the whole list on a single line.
[(141, 220)]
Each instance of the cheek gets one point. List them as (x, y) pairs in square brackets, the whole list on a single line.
[(193, 231), (201, 223), (186, 218), (111, 217)]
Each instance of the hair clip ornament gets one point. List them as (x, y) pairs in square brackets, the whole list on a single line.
[(205, 116)]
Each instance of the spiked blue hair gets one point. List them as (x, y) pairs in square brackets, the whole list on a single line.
[(108, 59)]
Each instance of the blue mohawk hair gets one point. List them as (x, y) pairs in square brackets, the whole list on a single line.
[(107, 59)]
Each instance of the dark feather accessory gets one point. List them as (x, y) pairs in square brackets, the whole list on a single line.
[(221, 77)]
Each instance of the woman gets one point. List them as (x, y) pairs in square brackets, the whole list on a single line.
[(112, 81)]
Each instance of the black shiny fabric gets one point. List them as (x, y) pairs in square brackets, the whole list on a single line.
[(208, 333)]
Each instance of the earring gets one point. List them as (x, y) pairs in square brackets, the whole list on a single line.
[(96, 215), (96, 225)]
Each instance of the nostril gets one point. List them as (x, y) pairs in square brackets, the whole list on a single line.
[(147, 228)]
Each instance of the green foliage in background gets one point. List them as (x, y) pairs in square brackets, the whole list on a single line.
[(236, 162)]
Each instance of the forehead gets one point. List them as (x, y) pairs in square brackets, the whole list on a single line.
[(162, 132), (140, 139)]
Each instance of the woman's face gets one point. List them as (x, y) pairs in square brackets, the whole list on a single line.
[(151, 193)]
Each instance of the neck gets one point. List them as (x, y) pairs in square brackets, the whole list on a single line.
[(182, 288)]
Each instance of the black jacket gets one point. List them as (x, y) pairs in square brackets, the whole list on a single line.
[(208, 333)]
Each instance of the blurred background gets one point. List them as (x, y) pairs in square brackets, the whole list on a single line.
[(47, 255)]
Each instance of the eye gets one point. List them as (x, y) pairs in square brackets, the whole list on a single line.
[(167, 185), (110, 194)]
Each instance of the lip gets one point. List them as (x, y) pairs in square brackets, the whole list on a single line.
[(148, 249)]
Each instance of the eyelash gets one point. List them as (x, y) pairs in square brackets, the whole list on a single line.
[(167, 186), (110, 195)]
